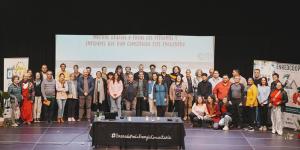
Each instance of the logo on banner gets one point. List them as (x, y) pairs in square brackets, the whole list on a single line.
[(140, 136)]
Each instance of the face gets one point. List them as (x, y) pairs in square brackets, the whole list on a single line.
[(225, 79), (141, 67), (152, 68), (99, 75), (89, 71), (75, 68), (141, 75), (250, 81), (49, 75), (119, 70), (237, 79), (128, 69), (85, 73), (44, 68), (225, 100), (72, 77), (164, 69), (256, 73), (204, 78), (29, 72), (110, 76), (275, 78), (62, 77), (116, 76), (178, 79), (216, 74), (263, 81), (188, 73), (199, 73), (38, 76), (104, 70), (130, 78), (278, 86), (209, 99), (26, 76), (211, 71), (154, 76), (176, 70), (200, 100), (160, 79), (234, 73), (16, 80), (63, 67)]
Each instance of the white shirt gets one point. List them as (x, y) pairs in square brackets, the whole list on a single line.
[(214, 81)]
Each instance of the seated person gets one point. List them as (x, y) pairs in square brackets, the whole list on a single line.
[(213, 111), (226, 113), (198, 113)]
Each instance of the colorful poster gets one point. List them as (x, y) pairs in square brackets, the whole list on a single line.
[(289, 74), (14, 66)]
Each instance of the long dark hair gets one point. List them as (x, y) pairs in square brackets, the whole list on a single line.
[(113, 78), (265, 79), (119, 67)]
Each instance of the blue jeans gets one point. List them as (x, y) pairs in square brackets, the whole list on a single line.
[(115, 105), (61, 107)]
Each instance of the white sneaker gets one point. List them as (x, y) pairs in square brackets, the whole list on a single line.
[(273, 131), (69, 119), (261, 128), (225, 128), (73, 119), (265, 128), (279, 133), (14, 125)]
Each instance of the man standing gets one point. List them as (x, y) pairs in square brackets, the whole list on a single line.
[(190, 93), (64, 71), (152, 70), (236, 73), (204, 87), (215, 79), (44, 71), (48, 91), (126, 74), (211, 73), (104, 73), (221, 89), (85, 87), (142, 93), (141, 70), (130, 92), (257, 77)]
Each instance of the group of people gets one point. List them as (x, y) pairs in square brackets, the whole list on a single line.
[(204, 98)]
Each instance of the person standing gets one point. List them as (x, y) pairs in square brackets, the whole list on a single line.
[(141, 70), (278, 99), (221, 89), (263, 99), (28, 97), (167, 80), (175, 72), (197, 79), (76, 71), (37, 97), (151, 83), (63, 71), (99, 96), (257, 77), (72, 97), (211, 73), (142, 94), (152, 70), (160, 96), (204, 87), (126, 74), (44, 70), (15, 92), (115, 91), (215, 79), (190, 93), (251, 104), (129, 94), (235, 96), (178, 96), (104, 72), (85, 87), (119, 71), (48, 91), (61, 96)]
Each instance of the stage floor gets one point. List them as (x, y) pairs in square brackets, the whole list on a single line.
[(74, 136)]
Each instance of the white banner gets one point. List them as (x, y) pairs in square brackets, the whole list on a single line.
[(14, 66), (289, 73)]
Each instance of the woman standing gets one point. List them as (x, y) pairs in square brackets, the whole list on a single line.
[(178, 95), (61, 96), (15, 92), (160, 95), (278, 98), (151, 83), (115, 91), (37, 97), (176, 71), (213, 111), (72, 97), (28, 97), (251, 104), (263, 99)]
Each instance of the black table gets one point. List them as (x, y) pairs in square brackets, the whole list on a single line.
[(151, 133)]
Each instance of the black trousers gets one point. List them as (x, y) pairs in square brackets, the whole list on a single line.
[(71, 107), (161, 111), (250, 115), (49, 110), (179, 108), (263, 111), (140, 105), (237, 116), (195, 120)]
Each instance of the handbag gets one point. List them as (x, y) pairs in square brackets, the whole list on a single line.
[(47, 102)]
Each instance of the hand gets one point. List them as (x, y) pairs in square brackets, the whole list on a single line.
[(262, 104), (85, 93), (270, 104), (154, 100), (240, 104), (145, 98)]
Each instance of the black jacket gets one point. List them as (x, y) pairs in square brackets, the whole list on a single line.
[(204, 89), (136, 76), (229, 109)]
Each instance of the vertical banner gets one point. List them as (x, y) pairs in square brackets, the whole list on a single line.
[(14, 66), (289, 74)]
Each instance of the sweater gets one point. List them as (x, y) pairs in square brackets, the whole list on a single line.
[(48, 88), (61, 90), (115, 89), (204, 89), (263, 94)]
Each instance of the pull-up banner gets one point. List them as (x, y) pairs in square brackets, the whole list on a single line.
[(290, 74)]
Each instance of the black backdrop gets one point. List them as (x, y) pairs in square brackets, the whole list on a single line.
[(244, 31)]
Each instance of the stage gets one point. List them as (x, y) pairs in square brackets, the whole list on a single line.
[(75, 136)]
